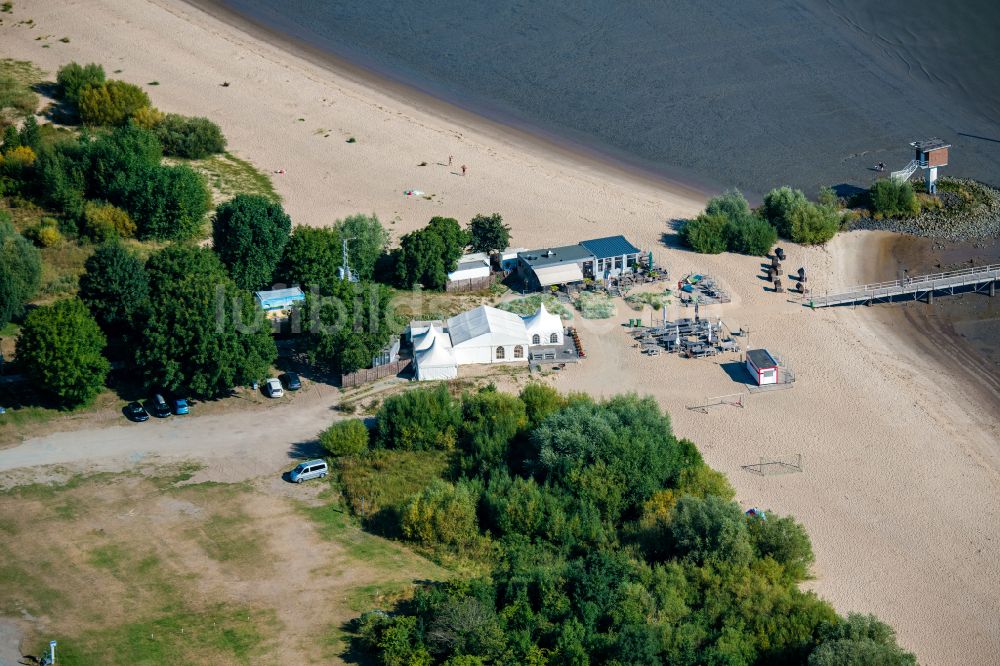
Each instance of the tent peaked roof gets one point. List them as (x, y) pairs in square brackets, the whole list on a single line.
[(435, 356), (500, 325), (542, 319)]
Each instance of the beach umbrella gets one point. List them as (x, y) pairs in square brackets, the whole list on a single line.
[(709, 323), (677, 333)]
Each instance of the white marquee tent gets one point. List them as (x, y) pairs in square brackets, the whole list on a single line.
[(544, 328), (488, 335), (434, 357)]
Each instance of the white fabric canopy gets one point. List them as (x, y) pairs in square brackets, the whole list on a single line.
[(558, 274)]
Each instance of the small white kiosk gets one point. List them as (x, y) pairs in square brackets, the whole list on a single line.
[(762, 366)]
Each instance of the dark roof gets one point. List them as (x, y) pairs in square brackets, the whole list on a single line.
[(555, 255), (761, 358), (612, 246), (930, 144)]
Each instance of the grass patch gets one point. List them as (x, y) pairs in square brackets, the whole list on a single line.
[(228, 176), (6, 7), (231, 539), (384, 480), (378, 596), (529, 305), (652, 299), (594, 305), (109, 556), (218, 634), (17, 98), (333, 523)]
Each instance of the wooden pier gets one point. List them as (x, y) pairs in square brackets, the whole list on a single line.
[(980, 278)]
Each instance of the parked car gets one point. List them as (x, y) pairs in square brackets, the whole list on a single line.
[(291, 381), (310, 469), (180, 406), (134, 411), (159, 407), (272, 388)]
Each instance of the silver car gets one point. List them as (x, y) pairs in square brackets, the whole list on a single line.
[(310, 469)]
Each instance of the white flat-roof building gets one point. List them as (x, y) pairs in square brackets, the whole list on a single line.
[(470, 267)]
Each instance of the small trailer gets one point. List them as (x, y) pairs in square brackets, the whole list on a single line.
[(762, 366)]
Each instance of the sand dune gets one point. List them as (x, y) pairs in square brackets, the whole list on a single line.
[(900, 489)]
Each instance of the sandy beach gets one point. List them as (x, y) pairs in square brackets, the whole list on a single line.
[(900, 487)]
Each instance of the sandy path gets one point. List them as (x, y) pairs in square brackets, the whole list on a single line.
[(239, 445), (900, 491)]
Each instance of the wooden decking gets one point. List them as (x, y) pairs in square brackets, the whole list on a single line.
[(915, 287)]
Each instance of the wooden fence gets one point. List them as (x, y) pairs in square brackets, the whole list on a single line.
[(470, 284), (372, 374)]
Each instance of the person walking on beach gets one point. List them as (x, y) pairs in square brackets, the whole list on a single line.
[(463, 169), (450, 157)]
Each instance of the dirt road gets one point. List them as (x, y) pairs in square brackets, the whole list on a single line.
[(238, 444)]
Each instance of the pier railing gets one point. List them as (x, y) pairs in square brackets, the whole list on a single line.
[(912, 285)]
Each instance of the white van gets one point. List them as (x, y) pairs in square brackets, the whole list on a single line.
[(310, 469)]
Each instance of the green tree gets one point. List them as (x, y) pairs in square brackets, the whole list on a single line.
[(892, 198), (118, 160), (778, 206), (367, 242), (827, 197), (785, 541), (30, 135), (860, 640), (193, 138), (167, 202), (488, 233), (427, 255), (62, 175), (441, 514), (752, 236), (540, 400), (311, 258), (11, 138), (490, 420), (111, 103), (20, 271), (72, 78), (345, 438), (810, 224), (731, 204), (707, 234), (114, 286), (703, 530), (202, 335), (60, 349), (249, 233), (348, 324), (422, 419)]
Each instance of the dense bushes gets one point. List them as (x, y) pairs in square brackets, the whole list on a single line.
[(122, 167), (345, 438), (20, 271), (72, 78), (799, 220), (891, 198), (104, 222), (614, 544), (419, 420), (728, 224), (442, 513), (193, 138), (111, 102)]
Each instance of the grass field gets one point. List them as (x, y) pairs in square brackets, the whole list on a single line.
[(229, 175), (188, 573)]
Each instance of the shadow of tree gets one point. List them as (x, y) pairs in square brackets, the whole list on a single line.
[(305, 450), (59, 111), (671, 238)]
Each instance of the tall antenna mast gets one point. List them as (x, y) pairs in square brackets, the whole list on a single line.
[(345, 268)]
